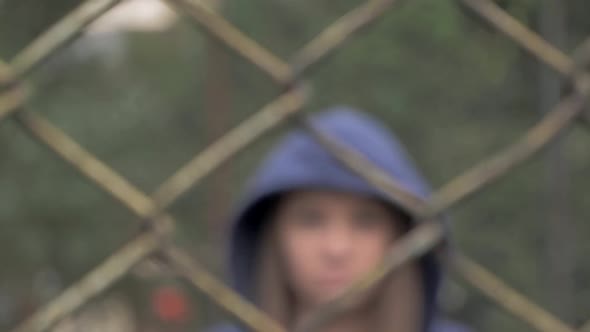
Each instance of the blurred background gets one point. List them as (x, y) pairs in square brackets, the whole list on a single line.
[(145, 90)]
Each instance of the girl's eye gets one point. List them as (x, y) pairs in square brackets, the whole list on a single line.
[(369, 220)]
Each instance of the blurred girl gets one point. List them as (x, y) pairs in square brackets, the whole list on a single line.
[(308, 228)]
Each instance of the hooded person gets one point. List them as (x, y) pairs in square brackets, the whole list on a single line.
[(308, 227)]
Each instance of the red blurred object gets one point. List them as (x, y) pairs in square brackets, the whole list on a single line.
[(170, 305)]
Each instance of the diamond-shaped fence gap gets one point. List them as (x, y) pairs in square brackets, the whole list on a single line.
[(235, 140), (204, 207), (440, 140), (49, 202), (401, 77), (524, 260), (490, 215), (249, 88), (402, 24)]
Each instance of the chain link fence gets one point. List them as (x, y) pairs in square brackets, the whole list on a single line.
[(154, 242)]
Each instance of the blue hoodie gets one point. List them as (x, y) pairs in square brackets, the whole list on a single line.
[(299, 162)]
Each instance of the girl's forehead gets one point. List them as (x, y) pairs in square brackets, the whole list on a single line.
[(319, 197), (325, 197), (327, 194)]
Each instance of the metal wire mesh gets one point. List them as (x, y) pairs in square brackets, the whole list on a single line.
[(151, 209)]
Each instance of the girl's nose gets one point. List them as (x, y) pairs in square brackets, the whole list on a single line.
[(337, 241)]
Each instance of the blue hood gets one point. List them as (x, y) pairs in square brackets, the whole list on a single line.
[(298, 162)]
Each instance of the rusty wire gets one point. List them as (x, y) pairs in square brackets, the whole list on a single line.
[(13, 95)]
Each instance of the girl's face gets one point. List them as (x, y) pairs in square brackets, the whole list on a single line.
[(327, 240)]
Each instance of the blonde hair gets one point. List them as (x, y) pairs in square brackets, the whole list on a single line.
[(395, 305)]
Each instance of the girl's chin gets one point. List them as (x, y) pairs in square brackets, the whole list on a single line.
[(326, 295)]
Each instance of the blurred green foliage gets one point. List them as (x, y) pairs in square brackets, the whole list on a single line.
[(454, 89)]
